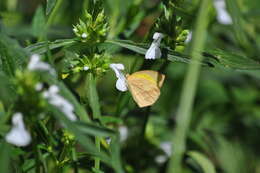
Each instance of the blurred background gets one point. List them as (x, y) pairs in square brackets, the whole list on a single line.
[(225, 122)]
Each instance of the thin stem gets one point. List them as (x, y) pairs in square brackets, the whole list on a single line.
[(97, 160), (95, 106), (75, 159), (145, 121), (183, 116), (53, 13), (51, 18)]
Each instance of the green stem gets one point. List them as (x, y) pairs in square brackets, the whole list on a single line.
[(183, 116), (51, 19), (97, 160), (54, 13), (95, 106), (75, 159)]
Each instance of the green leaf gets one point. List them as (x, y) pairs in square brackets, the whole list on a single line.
[(80, 111), (43, 47), (7, 92), (66, 93), (94, 130), (50, 6), (12, 56), (4, 157), (85, 141), (92, 95), (38, 23), (142, 48), (232, 60), (203, 161), (218, 58)]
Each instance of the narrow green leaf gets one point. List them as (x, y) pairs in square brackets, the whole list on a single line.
[(184, 112), (12, 56), (43, 47), (4, 157), (94, 130), (80, 111), (50, 5), (84, 140), (218, 58), (206, 165), (7, 92), (172, 56), (93, 95), (38, 23), (233, 61)]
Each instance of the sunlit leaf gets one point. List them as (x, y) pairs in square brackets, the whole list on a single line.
[(206, 165)]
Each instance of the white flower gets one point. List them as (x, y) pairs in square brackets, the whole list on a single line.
[(121, 84), (161, 159), (154, 52), (123, 131), (223, 16), (108, 140), (85, 68), (84, 35), (62, 104), (189, 37), (38, 86), (36, 64), (18, 135), (166, 147)]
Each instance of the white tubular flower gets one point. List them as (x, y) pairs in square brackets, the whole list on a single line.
[(36, 64), (85, 68), (123, 132), (61, 103), (166, 147), (84, 35), (223, 16), (154, 52), (38, 86), (189, 37), (121, 84), (18, 135)]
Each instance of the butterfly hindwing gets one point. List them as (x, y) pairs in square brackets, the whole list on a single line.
[(145, 86)]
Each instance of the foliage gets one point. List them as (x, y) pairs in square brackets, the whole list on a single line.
[(206, 119)]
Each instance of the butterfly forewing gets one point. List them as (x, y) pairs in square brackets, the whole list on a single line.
[(145, 86)]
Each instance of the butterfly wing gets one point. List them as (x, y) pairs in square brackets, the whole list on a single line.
[(145, 86)]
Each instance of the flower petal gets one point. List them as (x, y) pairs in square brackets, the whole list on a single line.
[(18, 135), (121, 85)]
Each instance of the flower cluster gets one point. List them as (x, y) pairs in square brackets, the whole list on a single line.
[(92, 29), (53, 97), (35, 64), (97, 64)]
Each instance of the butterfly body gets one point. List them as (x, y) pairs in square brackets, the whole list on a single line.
[(145, 86)]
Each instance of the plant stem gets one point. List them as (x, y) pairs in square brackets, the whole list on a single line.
[(50, 19), (183, 116), (53, 13), (145, 121), (95, 106)]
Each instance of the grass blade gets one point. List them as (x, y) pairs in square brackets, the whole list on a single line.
[(188, 91)]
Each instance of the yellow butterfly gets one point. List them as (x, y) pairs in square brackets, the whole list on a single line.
[(145, 86)]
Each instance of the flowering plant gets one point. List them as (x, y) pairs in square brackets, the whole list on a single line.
[(129, 86)]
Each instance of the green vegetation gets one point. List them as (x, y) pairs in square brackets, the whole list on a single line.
[(61, 110)]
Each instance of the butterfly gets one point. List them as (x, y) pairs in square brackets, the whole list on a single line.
[(145, 86)]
